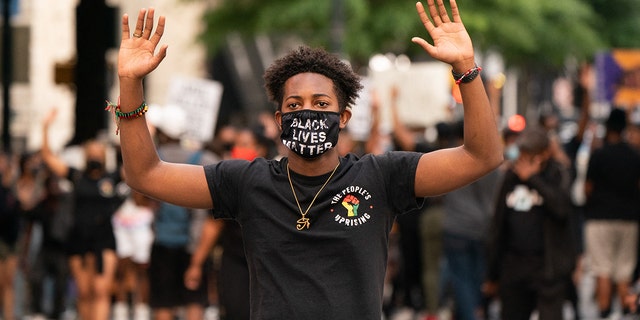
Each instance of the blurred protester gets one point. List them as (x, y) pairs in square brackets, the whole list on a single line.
[(633, 131), (612, 210), (43, 201), (176, 229), (9, 231), (578, 149), (233, 276), (550, 123), (91, 244), (222, 141), (466, 221), (420, 233), (132, 224), (511, 151), (531, 251)]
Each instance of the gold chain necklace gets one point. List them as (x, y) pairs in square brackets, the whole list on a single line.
[(304, 222)]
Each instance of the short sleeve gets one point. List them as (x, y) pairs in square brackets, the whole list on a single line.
[(225, 180), (399, 169)]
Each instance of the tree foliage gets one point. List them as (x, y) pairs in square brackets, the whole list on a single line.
[(527, 33)]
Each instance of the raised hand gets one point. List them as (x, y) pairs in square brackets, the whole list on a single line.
[(49, 117), (451, 42), (137, 56)]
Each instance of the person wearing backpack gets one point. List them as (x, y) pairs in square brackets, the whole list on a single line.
[(176, 228)]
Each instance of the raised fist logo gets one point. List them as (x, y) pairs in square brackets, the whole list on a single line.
[(351, 203)]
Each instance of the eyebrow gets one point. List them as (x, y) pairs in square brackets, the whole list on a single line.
[(315, 95)]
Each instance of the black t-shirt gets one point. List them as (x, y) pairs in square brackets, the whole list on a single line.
[(614, 171), (9, 221), (335, 269), (95, 201), (524, 220)]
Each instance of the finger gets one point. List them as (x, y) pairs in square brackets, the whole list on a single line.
[(139, 23), (161, 54), (125, 27), (454, 11), (442, 10), (425, 45), (423, 17), (148, 25), (433, 12), (159, 31)]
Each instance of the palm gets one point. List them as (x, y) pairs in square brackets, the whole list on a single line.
[(136, 57), (451, 42)]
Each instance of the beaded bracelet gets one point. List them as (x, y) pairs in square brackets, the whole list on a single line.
[(467, 76), (114, 108)]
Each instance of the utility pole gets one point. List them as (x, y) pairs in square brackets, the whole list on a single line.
[(95, 33), (337, 27), (7, 74)]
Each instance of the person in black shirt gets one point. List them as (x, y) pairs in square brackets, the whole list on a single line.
[(91, 243), (612, 208), (9, 233), (315, 225), (531, 250)]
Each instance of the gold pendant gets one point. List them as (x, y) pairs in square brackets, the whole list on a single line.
[(303, 223)]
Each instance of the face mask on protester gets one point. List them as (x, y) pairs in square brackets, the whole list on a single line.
[(310, 133), (93, 165), (512, 152), (243, 153)]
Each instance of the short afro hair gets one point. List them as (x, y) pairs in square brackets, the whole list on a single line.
[(315, 60)]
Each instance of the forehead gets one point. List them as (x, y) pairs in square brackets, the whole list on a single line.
[(308, 84), (244, 136), (95, 149)]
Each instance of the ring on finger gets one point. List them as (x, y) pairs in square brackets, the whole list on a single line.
[(137, 35)]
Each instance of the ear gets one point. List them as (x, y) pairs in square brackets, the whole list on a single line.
[(345, 116), (277, 117)]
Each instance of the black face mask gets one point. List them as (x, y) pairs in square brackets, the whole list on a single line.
[(310, 133), (93, 165)]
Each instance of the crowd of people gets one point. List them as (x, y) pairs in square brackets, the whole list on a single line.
[(525, 238), (457, 223), (517, 235)]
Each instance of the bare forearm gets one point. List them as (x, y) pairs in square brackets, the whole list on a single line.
[(403, 137), (139, 155), (481, 135), (56, 165), (210, 233)]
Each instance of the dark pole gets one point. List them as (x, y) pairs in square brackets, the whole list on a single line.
[(7, 75), (94, 35), (337, 26)]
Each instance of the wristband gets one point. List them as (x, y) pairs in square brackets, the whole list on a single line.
[(467, 76)]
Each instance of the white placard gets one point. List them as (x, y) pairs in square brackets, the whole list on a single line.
[(200, 98), (360, 123), (424, 93)]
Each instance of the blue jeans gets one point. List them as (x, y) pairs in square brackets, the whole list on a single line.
[(466, 268)]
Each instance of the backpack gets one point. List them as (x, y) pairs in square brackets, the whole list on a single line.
[(172, 224)]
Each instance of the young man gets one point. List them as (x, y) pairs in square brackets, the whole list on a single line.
[(531, 249), (315, 224), (611, 212)]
